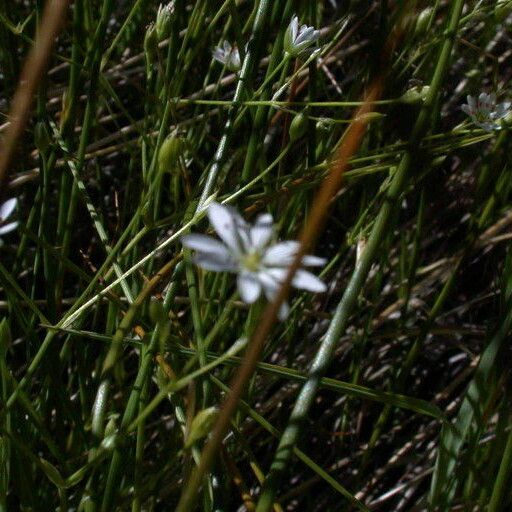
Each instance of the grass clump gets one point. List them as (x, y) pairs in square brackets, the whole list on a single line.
[(149, 362)]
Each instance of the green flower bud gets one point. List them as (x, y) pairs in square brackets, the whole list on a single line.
[(157, 313), (151, 44), (111, 427), (169, 154), (298, 127), (502, 9), (422, 21), (163, 20), (111, 442), (415, 95), (201, 425)]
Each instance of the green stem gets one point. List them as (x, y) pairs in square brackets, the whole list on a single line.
[(498, 498), (339, 322)]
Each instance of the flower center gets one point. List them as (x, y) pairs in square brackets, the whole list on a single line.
[(482, 115), (251, 261)]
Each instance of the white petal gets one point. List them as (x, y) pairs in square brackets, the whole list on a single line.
[(205, 244), (7, 208), (278, 274), (307, 281), (305, 35), (219, 55), (284, 311), (8, 228), (280, 254), (214, 263), (471, 102), (261, 232), (294, 28), (467, 110), (269, 282), (224, 223), (249, 287), (313, 261), (270, 288)]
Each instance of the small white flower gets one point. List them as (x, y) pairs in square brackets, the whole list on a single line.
[(298, 40), (247, 250), (485, 112), (228, 55), (6, 210)]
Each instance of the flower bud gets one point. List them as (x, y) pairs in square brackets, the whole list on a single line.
[(163, 20), (201, 425), (422, 21), (415, 95), (502, 9), (111, 427), (157, 313), (298, 127), (110, 442), (151, 44), (170, 152)]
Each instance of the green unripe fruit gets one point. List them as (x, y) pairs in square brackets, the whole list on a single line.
[(298, 127)]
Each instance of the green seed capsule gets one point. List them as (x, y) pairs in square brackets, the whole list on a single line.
[(298, 127)]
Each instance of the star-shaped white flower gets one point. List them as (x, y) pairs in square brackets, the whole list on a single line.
[(485, 112), (6, 210), (299, 39), (247, 251), (228, 55)]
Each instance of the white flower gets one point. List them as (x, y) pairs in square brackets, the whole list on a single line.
[(485, 112), (6, 210), (247, 250), (298, 40), (228, 55)]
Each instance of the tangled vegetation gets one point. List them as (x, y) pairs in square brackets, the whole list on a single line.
[(340, 340)]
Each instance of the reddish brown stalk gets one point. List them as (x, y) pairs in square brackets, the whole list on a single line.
[(35, 65), (330, 186)]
